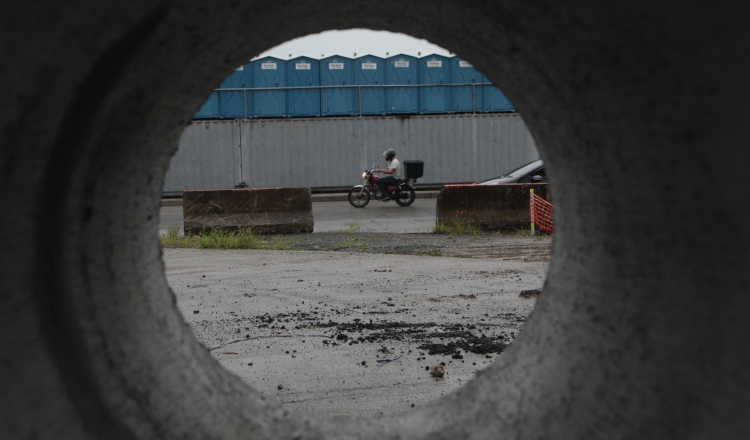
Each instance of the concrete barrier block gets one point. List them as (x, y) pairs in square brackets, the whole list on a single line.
[(491, 207), (265, 210)]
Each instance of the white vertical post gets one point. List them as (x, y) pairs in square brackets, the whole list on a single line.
[(531, 209)]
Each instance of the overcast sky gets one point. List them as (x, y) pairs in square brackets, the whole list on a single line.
[(359, 41)]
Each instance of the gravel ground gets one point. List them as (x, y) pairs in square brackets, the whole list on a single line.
[(505, 246), (336, 332)]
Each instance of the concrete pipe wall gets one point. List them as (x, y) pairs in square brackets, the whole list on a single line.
[(639, 110)]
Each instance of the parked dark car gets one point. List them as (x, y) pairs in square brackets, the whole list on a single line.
[(532, 172)]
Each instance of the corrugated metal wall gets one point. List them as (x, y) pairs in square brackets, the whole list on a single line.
[(208, 157), (333, 152)]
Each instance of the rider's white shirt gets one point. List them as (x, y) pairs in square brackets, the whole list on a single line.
[(395, 164)]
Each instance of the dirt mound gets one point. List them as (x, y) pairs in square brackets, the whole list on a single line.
[(529, 293)]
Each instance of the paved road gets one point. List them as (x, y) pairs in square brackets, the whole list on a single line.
[(375, 217), (336, 216)]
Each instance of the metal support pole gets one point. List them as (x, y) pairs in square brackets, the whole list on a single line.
[(244, 101), (473, 98), (242, 183)]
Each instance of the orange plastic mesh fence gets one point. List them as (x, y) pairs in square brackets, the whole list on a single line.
[(541, 214)]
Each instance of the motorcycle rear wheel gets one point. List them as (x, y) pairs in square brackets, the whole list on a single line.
[(406, 197), (359, 198)]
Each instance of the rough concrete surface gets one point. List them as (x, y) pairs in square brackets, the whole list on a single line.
[(490, 207), (639, 110), (265, 210), (273, 317)]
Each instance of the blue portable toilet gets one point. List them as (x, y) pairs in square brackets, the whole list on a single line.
[(232, 103), (494, 101), (401, 70), (210, 108), (248, 94), (337, 71), (303, 72), (369, 75), (269, 73), (435, 69), (467, 98)]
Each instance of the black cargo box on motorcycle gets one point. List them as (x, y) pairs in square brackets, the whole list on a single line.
[(414, 169)]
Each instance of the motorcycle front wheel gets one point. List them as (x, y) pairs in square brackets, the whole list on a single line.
[(359, 198), (406, 197)]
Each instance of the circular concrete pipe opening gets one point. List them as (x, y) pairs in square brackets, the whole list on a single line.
[(618, 344), (268, 328)]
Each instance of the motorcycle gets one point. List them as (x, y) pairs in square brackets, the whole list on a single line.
[(403, 192)]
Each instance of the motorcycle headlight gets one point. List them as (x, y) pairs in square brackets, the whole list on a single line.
[(364, 175)]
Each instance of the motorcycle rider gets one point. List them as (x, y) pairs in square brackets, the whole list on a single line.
[(393, 171)]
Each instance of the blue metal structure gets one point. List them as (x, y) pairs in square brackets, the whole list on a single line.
[(303, 72), (337, 71), (435, 69), (370, 71), (210, 108), (269, 73), (401, 70), (466, 99), (494, 100), (339, 86), (232, 102)]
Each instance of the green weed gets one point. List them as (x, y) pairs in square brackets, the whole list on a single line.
[(173, 233), (173, 239), (351, 242), (354, 228), (524, 232)]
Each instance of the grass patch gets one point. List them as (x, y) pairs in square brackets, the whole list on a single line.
[(456, 228), (352, 243), (218, 239)]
